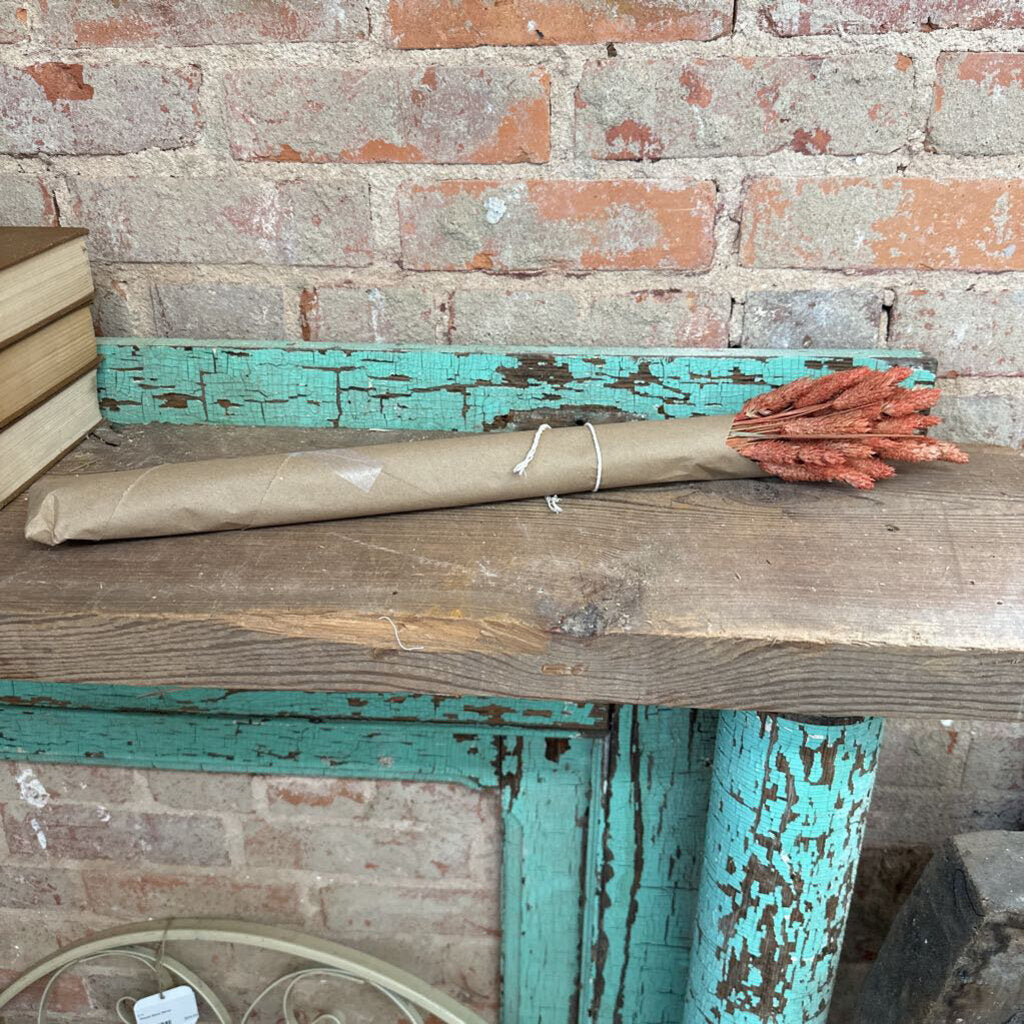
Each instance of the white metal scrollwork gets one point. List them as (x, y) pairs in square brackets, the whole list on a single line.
[(326, 960)]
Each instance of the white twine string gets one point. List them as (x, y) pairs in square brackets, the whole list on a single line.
[(520, 467), (597, 453), (553, 501), (398, 639)]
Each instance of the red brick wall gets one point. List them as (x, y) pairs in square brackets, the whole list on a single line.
[(540, 172), (406, 871)]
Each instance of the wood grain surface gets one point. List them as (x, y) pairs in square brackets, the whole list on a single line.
[(908, 600)]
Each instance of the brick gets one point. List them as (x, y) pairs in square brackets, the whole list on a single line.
[(426, 24), (233, 220), (68, 995), (156, 23), (375, 852), (968, 332), (919, 817), (928, 755), (557, 225), (218, 310), (448, 115), (982, 412), (111, 312), (638, 319), (42, 784), (842, 318), (995, 761), (14, 23), (154, 894), (397, 910), (743, 106), (876, 224), (978, 104), (26, 201), (201, 791), (29, 935), (93, 833), (818, 17), (355, 315), (94, 108), (50, 888), (387, 801)]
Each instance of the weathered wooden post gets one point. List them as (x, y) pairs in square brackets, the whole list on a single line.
[(785, 822)]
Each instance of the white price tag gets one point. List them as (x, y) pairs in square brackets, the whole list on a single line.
[(175, 1006)]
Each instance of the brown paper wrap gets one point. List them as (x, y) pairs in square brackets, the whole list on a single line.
[(342, 483)]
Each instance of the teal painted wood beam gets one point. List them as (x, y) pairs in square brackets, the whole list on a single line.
[(432, 388), (785, 822)]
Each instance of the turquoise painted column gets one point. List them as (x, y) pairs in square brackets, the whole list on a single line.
[(785, 821)]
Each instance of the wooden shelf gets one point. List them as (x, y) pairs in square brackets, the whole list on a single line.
[(908, 600)]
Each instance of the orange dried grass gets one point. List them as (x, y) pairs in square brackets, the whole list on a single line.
[(841, 427)]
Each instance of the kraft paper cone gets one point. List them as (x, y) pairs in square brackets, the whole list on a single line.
[(342, 483)]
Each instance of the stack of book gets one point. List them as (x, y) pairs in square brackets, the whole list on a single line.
[(47, 352)]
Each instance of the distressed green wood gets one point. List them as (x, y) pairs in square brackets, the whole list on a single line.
[(547, 798), (433, 388), (545, 779), (785, 823), (401, 707), (658, 777)]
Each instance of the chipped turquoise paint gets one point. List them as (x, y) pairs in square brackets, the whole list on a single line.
[(658, 776), (544, 778), (553, 714), (431, 388), (784, 829)]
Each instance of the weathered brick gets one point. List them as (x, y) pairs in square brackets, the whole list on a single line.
[(968, 332), (449, 115), (557, 225), (49, 888), (928, 755), (874, 224), (841, 318), (982, 412), (739, 106), (26, 200), (995, 761), (14, 22), (96, 833), (356, 315), (40, 784), (201, 791), (154, 894), (156, 23), (233, 220), (373, 852), (68, 995), (978, 104), (922, 817), (398, 910), (639, 319), (383, 801), (218, 310), (416, 24), (111, 311), (817, 17), (97, 108)]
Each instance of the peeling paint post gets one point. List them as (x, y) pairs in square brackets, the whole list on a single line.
[(785, 822)]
